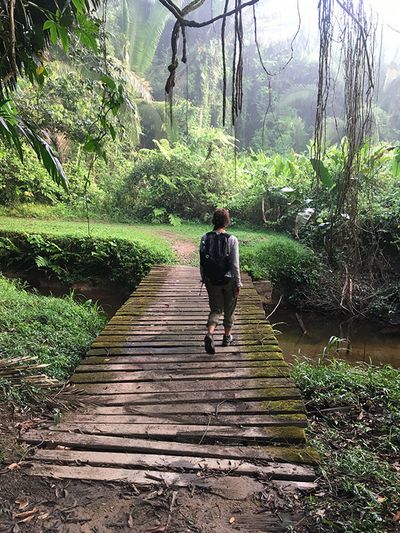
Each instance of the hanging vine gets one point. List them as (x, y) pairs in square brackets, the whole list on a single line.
[(356, 33), (237, 65)]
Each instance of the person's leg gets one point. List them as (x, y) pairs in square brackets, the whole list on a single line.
[(216, 303), (230, 301)]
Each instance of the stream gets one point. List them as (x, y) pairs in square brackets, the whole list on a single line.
[(361, 340)]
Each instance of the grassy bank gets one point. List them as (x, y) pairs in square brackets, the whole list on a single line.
[(145, 235), (55, 331), (64, 249), (354, 414)]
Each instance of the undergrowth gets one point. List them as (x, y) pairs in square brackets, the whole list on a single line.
[(71, 259), (283, 261), (57, 332), (354, 414)]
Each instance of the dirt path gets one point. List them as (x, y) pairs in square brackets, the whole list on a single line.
[(184, 247), (36, 505)]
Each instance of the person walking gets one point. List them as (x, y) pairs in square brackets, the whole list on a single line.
[(220, 272)]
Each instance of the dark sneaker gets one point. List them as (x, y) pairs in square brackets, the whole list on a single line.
[(209, 345), (227, 340)]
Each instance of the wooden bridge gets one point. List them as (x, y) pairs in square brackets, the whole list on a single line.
[(162, 410)]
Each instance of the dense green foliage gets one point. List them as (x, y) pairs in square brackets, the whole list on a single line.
[(285, 262), (355, 425), (70, 259), (56, 331), (187, 181)]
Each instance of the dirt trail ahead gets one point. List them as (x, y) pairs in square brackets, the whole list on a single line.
[(183, 246)]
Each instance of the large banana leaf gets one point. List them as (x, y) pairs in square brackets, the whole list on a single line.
[(13, 129), (146, 22)]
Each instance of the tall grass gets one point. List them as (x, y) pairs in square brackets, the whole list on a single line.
[(55, 331)]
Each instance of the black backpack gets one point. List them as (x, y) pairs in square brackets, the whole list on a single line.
[(214, 257)]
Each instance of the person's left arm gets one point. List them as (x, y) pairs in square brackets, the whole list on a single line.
[(235, 263), (201, 266)]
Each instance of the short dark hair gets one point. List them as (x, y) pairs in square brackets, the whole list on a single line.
[(221, 218)]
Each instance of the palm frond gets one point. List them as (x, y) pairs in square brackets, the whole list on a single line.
[(23, 38), (146, 41), (13, 129)]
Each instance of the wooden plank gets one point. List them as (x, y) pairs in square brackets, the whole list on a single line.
[(174, 367), (157, 308), (118, 329), (176, 318), (145, 333), (180, 318), (188, 291), (137, 477), (185, 304), (110, 342), (287, 454), (181, 337), (259, 420), (176, 350), (213, 407), (283, 471), (191, 360), (196, 434), (180, 386), (119, 396), (179, 374)]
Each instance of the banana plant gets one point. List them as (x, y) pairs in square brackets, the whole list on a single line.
[(142, 24), (13, 129)]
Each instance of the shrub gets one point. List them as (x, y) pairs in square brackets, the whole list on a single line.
[(283, 261), (180, 180), (72, 259), (27, 181), (355, 421)]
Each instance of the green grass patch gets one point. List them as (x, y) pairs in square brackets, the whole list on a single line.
[(24, 218), (354, 414), (281, 260), (56, 331), (145, 235)]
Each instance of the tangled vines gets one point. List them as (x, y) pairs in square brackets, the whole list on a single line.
[(182, 23), (356, 36)]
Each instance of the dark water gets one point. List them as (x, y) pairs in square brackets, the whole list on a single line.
[(108, 295), (361, 341)]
